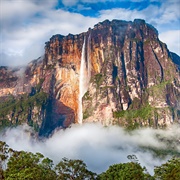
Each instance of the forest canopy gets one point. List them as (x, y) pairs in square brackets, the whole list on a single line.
[(27, 165)]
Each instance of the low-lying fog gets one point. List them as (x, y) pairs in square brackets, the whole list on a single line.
[(98, 146)]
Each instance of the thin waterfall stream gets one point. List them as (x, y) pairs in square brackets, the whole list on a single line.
[(84, 76)]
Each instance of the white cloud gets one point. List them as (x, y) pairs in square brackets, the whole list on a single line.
[(165, 19), (29, 24), (70, 2), (159, 16), (15, 11), (172, 39), (98, 146), (120, 13), (12, 9), (168, 12), (32, 36)]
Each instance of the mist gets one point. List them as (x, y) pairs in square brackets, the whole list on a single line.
[(98, 146)]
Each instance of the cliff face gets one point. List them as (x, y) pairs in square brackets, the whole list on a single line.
[(117, 73)]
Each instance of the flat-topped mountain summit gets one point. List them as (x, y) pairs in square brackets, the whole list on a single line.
[(118, 72)]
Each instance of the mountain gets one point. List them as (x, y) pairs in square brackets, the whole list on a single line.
[(119, 72)]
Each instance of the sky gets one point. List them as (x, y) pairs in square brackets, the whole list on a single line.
[(25, 25)]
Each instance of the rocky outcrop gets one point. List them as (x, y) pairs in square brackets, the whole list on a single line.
[(134, 80)]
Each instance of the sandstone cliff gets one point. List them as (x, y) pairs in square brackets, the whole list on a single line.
[(117, 73)]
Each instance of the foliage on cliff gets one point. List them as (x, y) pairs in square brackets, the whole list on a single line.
[(15, 111)]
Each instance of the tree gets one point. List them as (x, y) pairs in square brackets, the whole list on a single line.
[(73, 170), (3, 152), (3, 157), (168, 171), (26, 165), (123, 171)]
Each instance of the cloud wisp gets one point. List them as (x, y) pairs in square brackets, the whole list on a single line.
[(98, 146)]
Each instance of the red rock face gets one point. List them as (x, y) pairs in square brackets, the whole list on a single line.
[(128, 64), (64, 55)]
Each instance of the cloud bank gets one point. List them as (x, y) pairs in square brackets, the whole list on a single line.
[(27, 25), (98, 146)]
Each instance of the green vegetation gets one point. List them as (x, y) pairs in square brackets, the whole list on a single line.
[(143, 113), (170, 144), (23, 165), (34, 125), (27, 165), (162, 153), (87, 96), (22, 104), (130, 170), (98, 79), (168, 171), (157, 89), (39, 85), (134, 171), (15, 111), (88, 112), (73, 169)]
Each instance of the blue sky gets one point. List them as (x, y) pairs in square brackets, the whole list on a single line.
[(27, 24)]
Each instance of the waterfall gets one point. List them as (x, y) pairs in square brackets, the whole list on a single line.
[(84, 76), (88, 62), (81, 82)]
